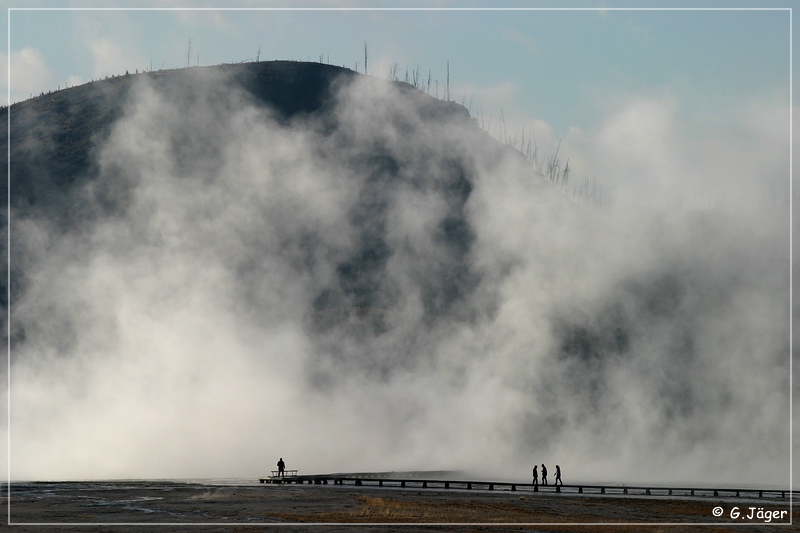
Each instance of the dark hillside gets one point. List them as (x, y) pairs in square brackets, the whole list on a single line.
[(60, 180), (54, 135)]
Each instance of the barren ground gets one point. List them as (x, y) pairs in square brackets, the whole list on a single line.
[(168, 506)]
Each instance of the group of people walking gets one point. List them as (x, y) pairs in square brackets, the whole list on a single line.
[(544, 475)]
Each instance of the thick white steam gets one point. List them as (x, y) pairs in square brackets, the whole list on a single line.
[(383, 289)]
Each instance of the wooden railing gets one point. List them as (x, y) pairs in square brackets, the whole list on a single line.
[(286, 473)]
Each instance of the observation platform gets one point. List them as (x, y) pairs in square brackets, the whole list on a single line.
[(288, 476)]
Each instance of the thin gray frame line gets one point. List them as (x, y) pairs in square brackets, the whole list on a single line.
[(428, 9), (791, 278), (409, 9), (410, 524), (8, 263)]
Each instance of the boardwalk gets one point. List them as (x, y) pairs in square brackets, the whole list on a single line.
[(632, 490)]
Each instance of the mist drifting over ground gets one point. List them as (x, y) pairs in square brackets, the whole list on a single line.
[(381, 286)]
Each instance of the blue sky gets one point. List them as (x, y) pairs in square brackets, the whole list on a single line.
[(565, 67), (566, 74)]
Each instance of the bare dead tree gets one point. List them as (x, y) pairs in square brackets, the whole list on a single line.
[(447, 92)]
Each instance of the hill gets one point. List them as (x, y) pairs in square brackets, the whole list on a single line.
[(60, 177), (54, 135)]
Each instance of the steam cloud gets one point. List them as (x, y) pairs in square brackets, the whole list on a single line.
[(375, 289)]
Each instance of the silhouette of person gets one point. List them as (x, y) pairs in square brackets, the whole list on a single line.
[(558, 475), (281, 467), (544, 474), (535, 476)]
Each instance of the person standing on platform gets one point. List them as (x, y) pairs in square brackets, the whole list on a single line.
[(544, 474), (535, 476), (281, 467)]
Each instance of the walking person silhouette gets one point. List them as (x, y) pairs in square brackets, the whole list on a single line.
[(535, 476), (544, 474), (558, 475)]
